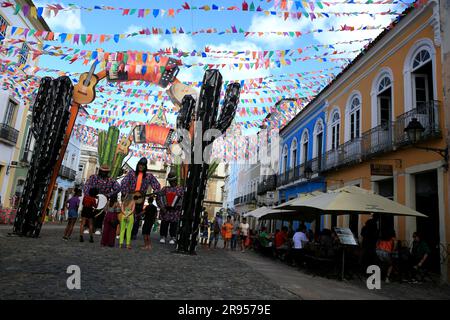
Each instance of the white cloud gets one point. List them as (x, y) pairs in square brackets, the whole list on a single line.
[(69, 21), (156, 42)]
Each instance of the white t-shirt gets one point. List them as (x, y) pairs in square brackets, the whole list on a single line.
[(244, 229), (298, 238)]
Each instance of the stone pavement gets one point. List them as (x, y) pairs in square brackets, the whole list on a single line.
[(36, 269)]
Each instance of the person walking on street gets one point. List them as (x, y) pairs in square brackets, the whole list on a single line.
[(227, 232), (72, 207), (243, 231), (235, 234), (216, 227), (204, 225)]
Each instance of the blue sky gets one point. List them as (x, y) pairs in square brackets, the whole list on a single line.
[(112, 22)]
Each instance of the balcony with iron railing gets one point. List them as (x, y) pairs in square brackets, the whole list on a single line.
[(299, 172), (428, 116), (378, 140), (269, 183), (8, 134), (67, 173)]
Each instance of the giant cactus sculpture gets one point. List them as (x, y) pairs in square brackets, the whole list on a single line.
[(197, 176), (49, 121)]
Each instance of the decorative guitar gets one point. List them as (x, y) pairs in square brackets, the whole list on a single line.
[(139, 197), (124, 145), (84, 91)]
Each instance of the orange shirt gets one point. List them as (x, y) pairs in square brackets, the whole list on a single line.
[(228, 230), (386, 245), (139, 181)]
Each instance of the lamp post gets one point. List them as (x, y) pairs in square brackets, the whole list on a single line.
[(414, 131)]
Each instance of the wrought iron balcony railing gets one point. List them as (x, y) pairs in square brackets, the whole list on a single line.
[(8, 134), (428, 116), (67, 173), (377, 140), (300, 172)]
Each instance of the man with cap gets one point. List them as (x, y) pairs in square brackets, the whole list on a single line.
[(106, 186), (170, 201), (138, 181)]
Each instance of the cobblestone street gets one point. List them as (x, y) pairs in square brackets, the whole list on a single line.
[(36, 269)]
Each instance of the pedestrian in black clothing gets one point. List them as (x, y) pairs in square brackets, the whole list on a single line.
[(150, 213), (369, 234)]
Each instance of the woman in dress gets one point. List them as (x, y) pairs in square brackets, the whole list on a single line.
[(110, 223)]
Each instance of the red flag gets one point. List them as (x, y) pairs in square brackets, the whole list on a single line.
[(186, 6)]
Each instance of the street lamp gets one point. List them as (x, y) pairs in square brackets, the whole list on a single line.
[(414, 131)]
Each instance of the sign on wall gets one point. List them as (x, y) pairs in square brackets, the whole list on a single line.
[(381, 169)]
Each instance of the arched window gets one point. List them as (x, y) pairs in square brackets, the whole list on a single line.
[(419, 75), (421, 58), (285, 159), (318, 140), (384, 97), (294, 153), (422, 78), (305, 145), (335, 128), (355, 117)]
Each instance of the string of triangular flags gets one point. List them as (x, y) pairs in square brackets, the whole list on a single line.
[(83, 38), (303, 10)]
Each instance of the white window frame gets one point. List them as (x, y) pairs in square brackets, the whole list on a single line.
[(294, 147), (335, 130), (355, 112), (304, 141), (318, 129), (10, 113), (409, 93)]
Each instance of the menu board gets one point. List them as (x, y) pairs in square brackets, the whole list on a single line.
[(346, 236)]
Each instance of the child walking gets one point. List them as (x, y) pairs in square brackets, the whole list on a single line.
[(87, 213), (110, 223), (150, 213), (127, 221), (72, 206)]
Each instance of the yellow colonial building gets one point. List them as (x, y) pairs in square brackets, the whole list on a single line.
[(394, 84)]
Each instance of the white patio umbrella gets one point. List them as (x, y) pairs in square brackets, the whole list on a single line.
[(262, 211), (353, 199), (297, 203)]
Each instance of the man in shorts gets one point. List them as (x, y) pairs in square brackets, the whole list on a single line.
[(243, 228)]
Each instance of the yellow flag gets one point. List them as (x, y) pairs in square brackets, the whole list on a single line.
[(33, 12)]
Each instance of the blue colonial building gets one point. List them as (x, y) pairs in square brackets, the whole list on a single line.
[(303, 143)]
